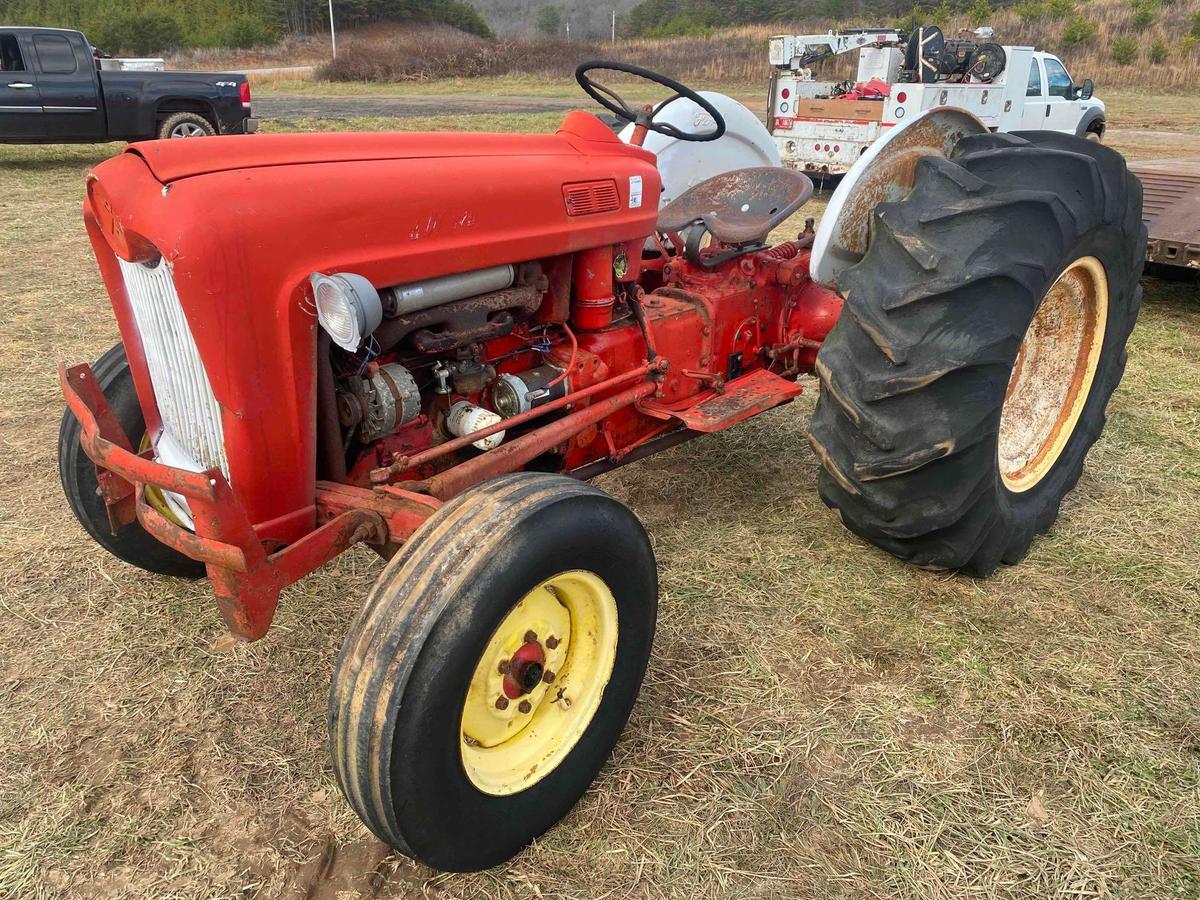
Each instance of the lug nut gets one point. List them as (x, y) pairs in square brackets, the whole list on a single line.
[(531, 637), (501, 703), (548, 677), (551, 642), (503, 667), (523, 707)]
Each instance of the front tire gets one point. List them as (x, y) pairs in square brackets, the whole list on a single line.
[(984, 332), (132, 543), (436, 751)]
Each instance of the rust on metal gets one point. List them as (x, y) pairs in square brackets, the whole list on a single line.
[(246, 579), (401, 511), (510, 456), (890, 176), (741, 398), (451, 325), (405, 463), (739, 206), (1171, 210), (1053, 374)]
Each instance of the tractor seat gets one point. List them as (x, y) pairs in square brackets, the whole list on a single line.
[(738, 207)]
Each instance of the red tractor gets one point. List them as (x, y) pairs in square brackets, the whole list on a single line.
[(428, 342)]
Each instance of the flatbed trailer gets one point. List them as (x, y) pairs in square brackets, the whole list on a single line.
[(1171, 210)]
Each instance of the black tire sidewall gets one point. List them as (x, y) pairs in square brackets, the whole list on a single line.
[(132, 543), (444, 818)]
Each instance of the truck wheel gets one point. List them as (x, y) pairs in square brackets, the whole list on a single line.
[(185, 125), (983, 334), (132, 544), (493, 668)]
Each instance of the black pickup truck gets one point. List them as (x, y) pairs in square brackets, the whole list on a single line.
[(52, 91)]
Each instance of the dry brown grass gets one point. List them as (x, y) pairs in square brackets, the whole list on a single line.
[(295, 50), (1112, 19), (819, 720), (738, 55), (403, 54)]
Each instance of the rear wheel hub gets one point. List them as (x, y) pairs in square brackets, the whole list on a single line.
[(1053, 374)]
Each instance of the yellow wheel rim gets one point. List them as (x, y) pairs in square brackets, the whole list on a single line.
[(1053, 374), (510, 743)]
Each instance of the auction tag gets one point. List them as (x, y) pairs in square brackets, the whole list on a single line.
[(635, 191)]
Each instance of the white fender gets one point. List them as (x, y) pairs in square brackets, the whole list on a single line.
[(883, 174), (683, 164)]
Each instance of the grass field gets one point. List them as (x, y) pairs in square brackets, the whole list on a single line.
[(819, 720)]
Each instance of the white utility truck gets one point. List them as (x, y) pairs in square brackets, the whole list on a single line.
[(822, 127)]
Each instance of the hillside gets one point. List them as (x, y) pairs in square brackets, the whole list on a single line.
[(1113, 42), (145, 26)]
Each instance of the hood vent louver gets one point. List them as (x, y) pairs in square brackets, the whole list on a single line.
[(586, 198)]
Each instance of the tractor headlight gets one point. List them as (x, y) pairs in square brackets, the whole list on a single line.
[(348, 307)]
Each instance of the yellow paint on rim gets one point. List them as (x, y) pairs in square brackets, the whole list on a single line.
[(506, 751), (1053, 374), (153, 494)]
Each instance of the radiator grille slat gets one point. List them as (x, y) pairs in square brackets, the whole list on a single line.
[(186, 403)]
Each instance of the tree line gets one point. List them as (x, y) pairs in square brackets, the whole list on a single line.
[(146, 26)]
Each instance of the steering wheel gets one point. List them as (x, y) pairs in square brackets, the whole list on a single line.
[(615, 103)]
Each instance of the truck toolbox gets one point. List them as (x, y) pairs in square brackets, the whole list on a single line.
[(854, 110)]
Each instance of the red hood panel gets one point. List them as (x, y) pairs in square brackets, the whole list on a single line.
[(172, 160)]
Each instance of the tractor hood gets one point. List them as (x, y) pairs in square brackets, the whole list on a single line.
[(241, 223), (173, 160)]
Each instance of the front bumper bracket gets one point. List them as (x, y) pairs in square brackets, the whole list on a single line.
[(246, 578)]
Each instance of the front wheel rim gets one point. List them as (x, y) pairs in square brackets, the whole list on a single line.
[(1052, 376), (539, 682)]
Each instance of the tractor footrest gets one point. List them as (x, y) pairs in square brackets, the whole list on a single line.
[(742, 398)]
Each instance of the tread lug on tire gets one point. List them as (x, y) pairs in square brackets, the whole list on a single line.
[(427, 746), (985, 331)]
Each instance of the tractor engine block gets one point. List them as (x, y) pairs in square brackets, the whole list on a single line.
[(445, 363)]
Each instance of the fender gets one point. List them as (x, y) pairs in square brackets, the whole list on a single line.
[(1092, 115)]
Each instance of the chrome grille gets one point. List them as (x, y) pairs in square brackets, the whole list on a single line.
[(190, 414)]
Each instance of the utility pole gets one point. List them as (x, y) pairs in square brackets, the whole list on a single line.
[(614, 27), (568, 31), (332, 32)]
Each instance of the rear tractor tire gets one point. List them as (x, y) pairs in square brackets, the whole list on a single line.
[(984, 332), (492, 669)]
